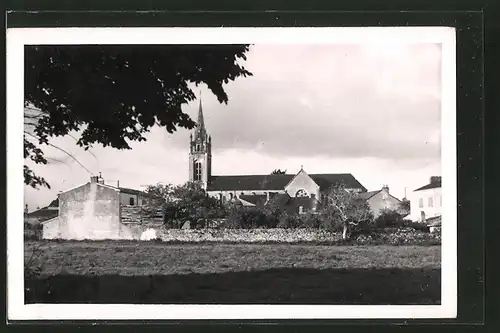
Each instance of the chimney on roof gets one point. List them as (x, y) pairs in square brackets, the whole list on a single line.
[(435, 179), (100, 180), (385, 188), (26, 209), (94, 179)]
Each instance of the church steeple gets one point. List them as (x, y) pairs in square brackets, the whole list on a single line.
[(200, 132), (200, 154)]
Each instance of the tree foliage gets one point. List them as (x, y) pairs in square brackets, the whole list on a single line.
[(346, 208), (278, 172), (114, 94), (405, 206), (182, 203)]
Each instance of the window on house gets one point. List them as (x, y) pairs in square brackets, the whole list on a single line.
[(420, 203), (131, 201), (230, 196), (301, 193), (197, 171), (301, 209), (430, 202)]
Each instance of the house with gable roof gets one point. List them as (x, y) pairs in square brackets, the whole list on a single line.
[(380, 200), (95, 210)]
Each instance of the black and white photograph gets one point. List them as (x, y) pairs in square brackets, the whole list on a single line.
[(239, 173)]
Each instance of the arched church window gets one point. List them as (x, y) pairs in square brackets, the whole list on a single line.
[(198, 147), (301, 193), (197, 171)]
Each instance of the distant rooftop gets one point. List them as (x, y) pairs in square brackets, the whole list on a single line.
[(434, 182)]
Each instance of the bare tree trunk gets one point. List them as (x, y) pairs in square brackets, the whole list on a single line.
[(344, 232)]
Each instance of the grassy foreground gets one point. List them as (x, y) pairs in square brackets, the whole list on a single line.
[(148, 272)]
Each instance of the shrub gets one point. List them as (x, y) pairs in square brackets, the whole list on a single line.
[(245, 218), (32, 270), (33, 231), (330, 223), (289, 221), (414, 225), (389, 218), (311, 221)]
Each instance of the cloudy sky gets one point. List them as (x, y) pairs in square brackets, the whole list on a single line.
[(373, 111)]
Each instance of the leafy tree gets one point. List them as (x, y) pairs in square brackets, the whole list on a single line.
[(157, 198), (389, 218), (245, 218), (114, 94), (273, 212), (405, 206), (347, 208), (193, 203), (184, 202), (278, 172)]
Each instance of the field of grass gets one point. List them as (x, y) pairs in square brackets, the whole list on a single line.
[(149, 272)]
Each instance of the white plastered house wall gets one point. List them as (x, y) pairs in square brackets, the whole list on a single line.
[(428, 201)]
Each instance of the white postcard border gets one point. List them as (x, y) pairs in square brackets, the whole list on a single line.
[(19, 37)]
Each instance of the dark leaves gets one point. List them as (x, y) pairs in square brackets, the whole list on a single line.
[(32, 180), (116, 93)]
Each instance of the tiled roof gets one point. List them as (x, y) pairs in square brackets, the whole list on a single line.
[(434, 221), (368, 195), (54, 203), (43, 214), (280, 198), (277, 182), (258, 200), (248, 182), (125, 189), (327, 180), (130, 190), (429, 186)]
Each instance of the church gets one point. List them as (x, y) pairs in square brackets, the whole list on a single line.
[(298, 192)]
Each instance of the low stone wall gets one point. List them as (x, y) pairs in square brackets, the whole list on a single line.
[(404, 236), (247, 235)]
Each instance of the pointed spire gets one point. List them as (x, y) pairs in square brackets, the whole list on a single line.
[(200, 125), (201, 122)]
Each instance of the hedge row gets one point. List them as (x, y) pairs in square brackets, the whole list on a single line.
[(264, 218), (32, 231)]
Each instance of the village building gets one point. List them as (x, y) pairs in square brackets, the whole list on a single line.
[(381, 200), (96, 210), (426, 202), (42, 214)]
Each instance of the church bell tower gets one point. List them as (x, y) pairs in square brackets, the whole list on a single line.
[(200, 153)]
